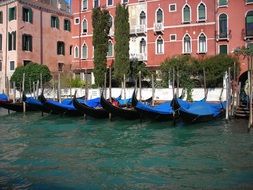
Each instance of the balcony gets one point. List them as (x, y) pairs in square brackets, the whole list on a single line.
[(223, 36), (138, 56), (158, 27), (247, 36), (138, 30)]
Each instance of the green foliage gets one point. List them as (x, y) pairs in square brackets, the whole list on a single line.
[(191, 71), (68, 81), (122, 62), (101, 28), (136, 66), (215, 67), (187, 69), (32, 74), (76, 83)]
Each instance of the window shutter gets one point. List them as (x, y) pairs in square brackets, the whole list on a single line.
[(14, 13), (30, 16), (1, 41), (58, 52), (9, 41), (57, 22), (10, 14), (52, 22), (63, 50), (23, 42), (1, 17), (14, 40), (31, 43), (23, 15)]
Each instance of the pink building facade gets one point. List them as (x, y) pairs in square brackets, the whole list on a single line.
[(160, 29), (34, 31)]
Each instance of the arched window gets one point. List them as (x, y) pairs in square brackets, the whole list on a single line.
[(142, 46), (85, 4), (186, 14), (159, 16), (110, 49), (84, 26), (223, 28), (159, 45), (202, 12), (76, 54), (187, 44), (249, 23), (84, 52), (202, 44), (142, 18)]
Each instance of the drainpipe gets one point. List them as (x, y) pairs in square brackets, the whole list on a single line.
[(6, 48), (79, 57), (41, 38)]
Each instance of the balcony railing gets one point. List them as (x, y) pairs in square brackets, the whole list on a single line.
[(223, 36), (139, 29), (247, 35), (138, 56), (158, 27)]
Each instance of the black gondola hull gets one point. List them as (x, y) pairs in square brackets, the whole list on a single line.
[(127, 113), (154, 116), (89, 111), (60, 110), (18, 107)]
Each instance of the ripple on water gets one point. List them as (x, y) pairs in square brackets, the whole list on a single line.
[(55, 152)]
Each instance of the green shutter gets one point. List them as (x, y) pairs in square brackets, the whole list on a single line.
[(63, 46), (10, 14), (30, 43), (30, 16), (1, 17), (57, 22), (223, 49), (9, 41), (1, 40), (14, 40), (14, 13), (23, 42), (52, 21)]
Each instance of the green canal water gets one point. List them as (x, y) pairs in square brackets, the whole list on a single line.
[(54, 152)]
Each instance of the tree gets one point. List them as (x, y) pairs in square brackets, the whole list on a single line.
[(122, 62), (32, 74), (101, 27), (215, 67), (187, 68)]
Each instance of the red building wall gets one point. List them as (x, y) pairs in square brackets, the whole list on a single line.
[(236, 11)]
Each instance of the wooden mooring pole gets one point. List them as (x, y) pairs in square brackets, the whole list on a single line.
[(227, 97), (140, 97), (153, 89), (250, 94), (173, 82), (23, 91), (110, 89), (124, 86)]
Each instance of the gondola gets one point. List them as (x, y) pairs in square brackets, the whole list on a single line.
[(17, 106), (3, 97), (36, 104), (91, 108), (200, 111), (161, 112), (64, 108), (123, 112)]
